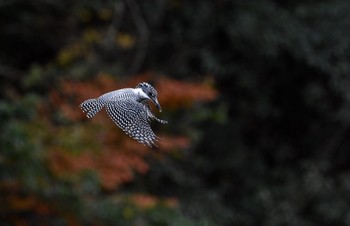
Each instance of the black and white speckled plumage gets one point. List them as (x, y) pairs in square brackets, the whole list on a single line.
[(129, 109)]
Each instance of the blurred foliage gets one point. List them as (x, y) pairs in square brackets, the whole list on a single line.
[(256, 94)]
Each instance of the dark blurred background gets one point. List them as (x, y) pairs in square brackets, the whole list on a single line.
[(256, 94)]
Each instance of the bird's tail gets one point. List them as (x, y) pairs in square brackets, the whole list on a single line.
[(91, 107)]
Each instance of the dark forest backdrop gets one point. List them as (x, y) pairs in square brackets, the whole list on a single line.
[(256, 94)]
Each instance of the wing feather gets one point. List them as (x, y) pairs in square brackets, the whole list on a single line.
[(132, 118)]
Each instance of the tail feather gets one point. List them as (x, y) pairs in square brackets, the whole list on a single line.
[(91, 107)]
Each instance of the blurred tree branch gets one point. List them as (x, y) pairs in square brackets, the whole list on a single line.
[(119, 9), (143, 30)]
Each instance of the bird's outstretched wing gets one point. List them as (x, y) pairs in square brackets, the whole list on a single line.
[(131, 117)]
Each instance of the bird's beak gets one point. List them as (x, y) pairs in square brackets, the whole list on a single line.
[(157, 104)]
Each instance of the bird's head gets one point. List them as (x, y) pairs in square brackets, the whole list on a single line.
[(150, 92)]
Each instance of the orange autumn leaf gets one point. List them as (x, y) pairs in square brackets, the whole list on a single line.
[(113, 168), (19, 202), (177, 94), (146, 201), (170, 143)]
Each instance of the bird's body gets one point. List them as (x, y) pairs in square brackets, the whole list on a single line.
[(126, 93), (129, 109)]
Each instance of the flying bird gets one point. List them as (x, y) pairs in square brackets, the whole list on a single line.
[(129, 109)]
